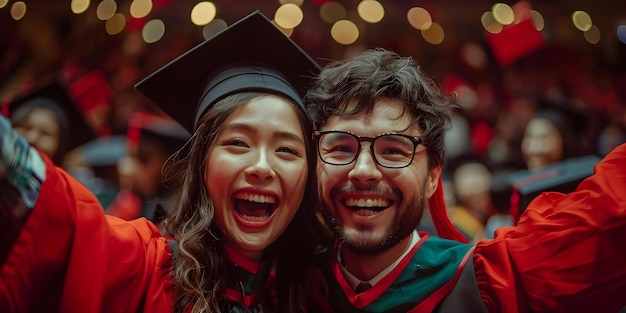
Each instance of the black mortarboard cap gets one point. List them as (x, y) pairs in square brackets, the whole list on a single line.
[(576, 124), (78, 131), (250, 55), (576, 117), (562, 177)]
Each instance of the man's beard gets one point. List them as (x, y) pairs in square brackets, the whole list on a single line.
[(402, 226)]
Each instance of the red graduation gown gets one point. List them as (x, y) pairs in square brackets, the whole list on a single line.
[(70, 257), (566, 254)]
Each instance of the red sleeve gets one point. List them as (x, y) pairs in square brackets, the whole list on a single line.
[(70, 257), (126, 206), (566, 254)]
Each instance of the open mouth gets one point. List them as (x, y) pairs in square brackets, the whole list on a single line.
[(368, 206), (254, 207)]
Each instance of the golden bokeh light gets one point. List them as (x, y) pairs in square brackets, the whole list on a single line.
[(490, 24), (434, 34), (582, 20), (106, 9), (79, 6), (296, 2), (18, 10), (371, 11), (288, 16), (344, 32), (593, 35), (115, 24), (419, 18), (344, 20), (203, 13), (140, 8), (537, 19), (503, 13)]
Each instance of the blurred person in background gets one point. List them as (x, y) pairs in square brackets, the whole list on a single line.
[(151, 140), (49, 119), (548, 139), (471, 182), (95, 165), (557, 132)]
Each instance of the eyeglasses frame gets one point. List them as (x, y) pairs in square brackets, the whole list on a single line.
[(415, 139)]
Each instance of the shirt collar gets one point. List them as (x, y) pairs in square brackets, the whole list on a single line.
[(354, 282)]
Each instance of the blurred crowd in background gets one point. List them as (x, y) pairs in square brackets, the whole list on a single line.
[(552, 100)]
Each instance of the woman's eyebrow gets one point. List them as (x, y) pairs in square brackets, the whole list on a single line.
[(276, 134)]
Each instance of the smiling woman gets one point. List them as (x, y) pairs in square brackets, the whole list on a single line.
[(251, 147), (243, 230), (257, 172)]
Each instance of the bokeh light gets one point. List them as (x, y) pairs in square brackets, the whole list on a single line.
[(288, 16), (115, 24), (489, 23), (344, 32), (153, 31), (18, 10), (537, 19), (434, 34), (371, 11), (79, 6), (503, 13), (106, 9), (140, 8), (296, 2), (621, 33), (582, 20), (593, 34), (419, 18), (203, 13)]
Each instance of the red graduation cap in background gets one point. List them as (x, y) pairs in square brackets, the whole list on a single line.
[(92, 94), (518, 39), (161, 130)]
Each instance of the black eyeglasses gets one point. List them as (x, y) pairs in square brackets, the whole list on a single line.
[(389, 150)]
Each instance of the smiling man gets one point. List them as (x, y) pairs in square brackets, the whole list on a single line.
[(380, 124)]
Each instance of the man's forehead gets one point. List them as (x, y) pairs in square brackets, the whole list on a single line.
[(386, 116)]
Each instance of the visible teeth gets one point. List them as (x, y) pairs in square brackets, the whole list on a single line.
[(255, 197), (253, 218), (366, 212), (367, 203)]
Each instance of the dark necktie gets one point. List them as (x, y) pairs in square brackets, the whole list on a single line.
[(362, 287)]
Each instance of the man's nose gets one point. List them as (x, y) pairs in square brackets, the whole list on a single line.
[(365, 171)]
